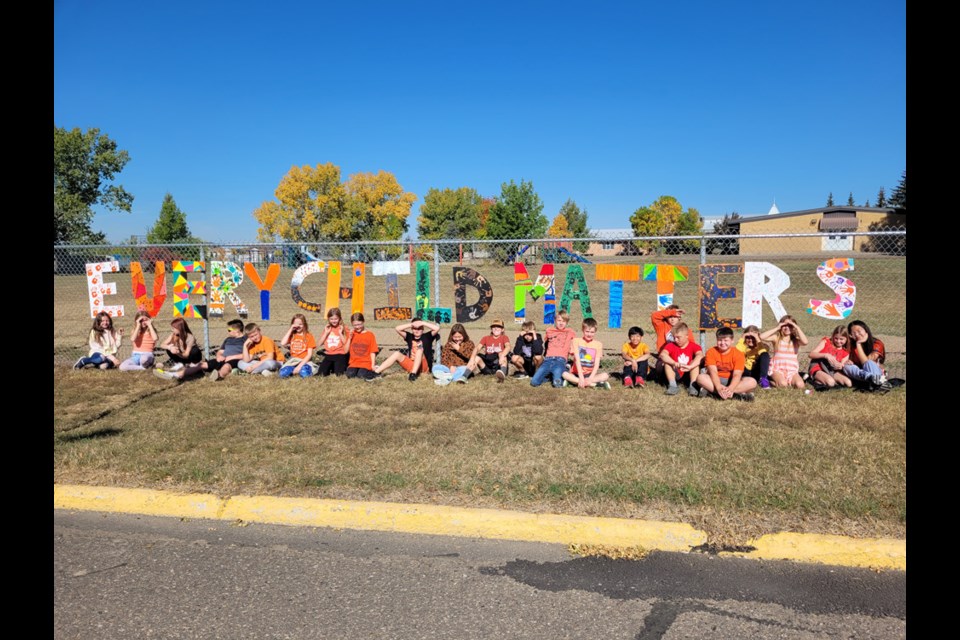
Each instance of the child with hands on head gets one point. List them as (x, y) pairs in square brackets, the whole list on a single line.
[(867, 354), (785, 365), (419, 336), (144, 340), (527, 350)]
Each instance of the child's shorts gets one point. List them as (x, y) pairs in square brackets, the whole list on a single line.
[(491, 364), (407, 364)]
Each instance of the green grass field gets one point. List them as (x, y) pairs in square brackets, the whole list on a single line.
[(827, 462)]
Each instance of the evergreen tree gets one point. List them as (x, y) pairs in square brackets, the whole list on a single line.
[(830, 199), (881, 199), (171, 225), (576, 223), (850, 202), (867, 203), (898, 199)]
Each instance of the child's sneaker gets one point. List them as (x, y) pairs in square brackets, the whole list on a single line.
[(693, 391), (77, 365), (500, 375), (628, 381), (703, 392), (672, 390), (640, 383), (176, 366), (412, 377), (745, 397), (764, 382), (566, 383), (267, 373), (604, 385), (214, 376), (163, 375)]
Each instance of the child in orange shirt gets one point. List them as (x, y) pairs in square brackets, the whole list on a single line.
[(363, 350), (724, 375), (636, 356), (302, 346)]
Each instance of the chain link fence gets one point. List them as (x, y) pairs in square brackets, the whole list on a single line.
[(821, 279)]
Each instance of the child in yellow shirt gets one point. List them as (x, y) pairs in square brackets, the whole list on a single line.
[(636, 357)]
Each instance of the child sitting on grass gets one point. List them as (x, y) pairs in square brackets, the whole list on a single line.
[(302, 347), (104, 342), (559, 340), (785, 364), (527, 350), (636, 357), (227, 359), (587, 352), (419, 356), (756, 354), (681, 360), (454, 357), (867, 354), (144, 340), (828, 359), (491, 355), (363, 350), (260, 353), (724, 375)]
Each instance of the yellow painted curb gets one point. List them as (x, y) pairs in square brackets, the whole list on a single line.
[(877, 553), (385, 516)]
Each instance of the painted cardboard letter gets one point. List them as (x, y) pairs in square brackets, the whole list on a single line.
[(842, 305), (183, 288), (97, 288), (304, 270), (762, 281), (616, 274), (711, 292), (575, 288), (462, 278), (665, 275), (393, 310), (422, 308), (225, 277), (273, 271), (139, 286), (543, 287)]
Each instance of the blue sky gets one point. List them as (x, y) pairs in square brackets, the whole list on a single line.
[(725, 106)]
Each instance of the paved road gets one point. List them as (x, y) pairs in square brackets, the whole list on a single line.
[(121, 577)]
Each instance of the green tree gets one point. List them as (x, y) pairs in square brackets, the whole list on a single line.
[(171, 225), (850, 202), (84, 162), (517, 213), (665, 217), (576, 223), (450, 213), (830, 199), (726, 227), (689, 224), (881, 199), (898, 199)]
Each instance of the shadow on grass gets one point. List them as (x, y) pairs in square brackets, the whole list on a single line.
[(93, 435)]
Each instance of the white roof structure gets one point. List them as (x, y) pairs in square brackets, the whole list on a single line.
[(773, 210)]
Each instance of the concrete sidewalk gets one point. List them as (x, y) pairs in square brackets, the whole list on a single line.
[(878, 553)]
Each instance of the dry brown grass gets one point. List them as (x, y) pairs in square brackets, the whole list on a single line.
[(785, 462)]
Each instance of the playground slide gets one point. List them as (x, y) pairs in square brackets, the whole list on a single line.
[(575, 256)]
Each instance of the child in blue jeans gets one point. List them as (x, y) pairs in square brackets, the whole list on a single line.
[(559, 342)]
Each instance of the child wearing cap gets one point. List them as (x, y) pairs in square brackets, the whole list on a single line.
[(491, 354)]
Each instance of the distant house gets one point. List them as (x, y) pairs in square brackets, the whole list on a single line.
[(838, 222), (608, 242)]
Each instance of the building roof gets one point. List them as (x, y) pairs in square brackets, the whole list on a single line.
[(806, 212)]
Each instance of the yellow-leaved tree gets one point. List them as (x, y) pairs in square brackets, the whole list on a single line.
[(313, 205), (560, 228)]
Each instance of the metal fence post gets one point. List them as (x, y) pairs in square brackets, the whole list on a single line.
[(703, 260), (436, 275), (206, 305)]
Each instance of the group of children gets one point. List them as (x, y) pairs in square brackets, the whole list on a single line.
[(849, 356)]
